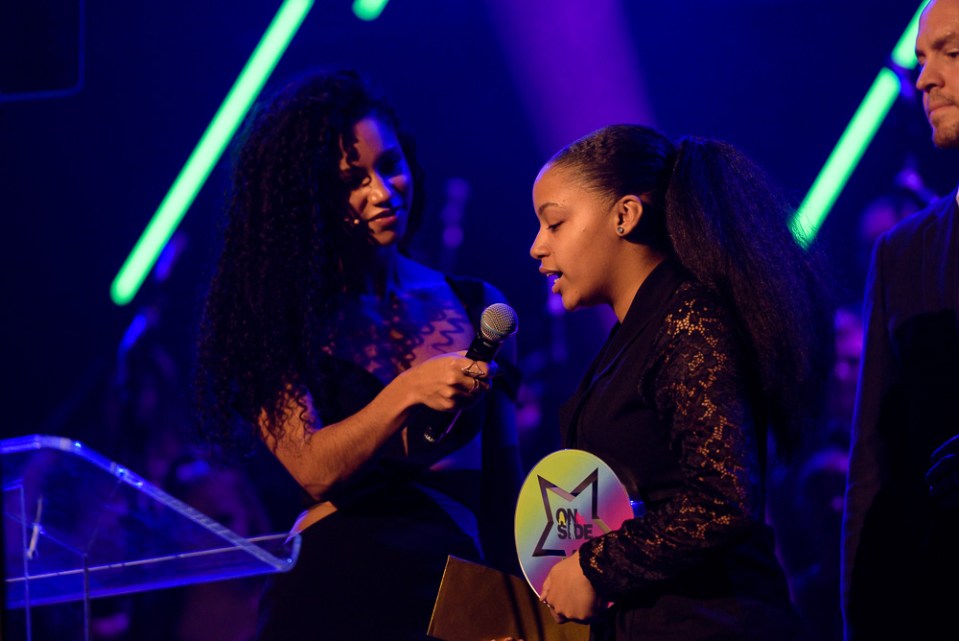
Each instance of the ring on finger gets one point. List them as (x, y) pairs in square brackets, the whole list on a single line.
[(473, 373)]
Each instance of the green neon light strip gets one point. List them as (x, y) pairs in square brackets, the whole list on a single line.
[(854, 141), (368, 9), (844, 158), (904, 54), (209, 149)]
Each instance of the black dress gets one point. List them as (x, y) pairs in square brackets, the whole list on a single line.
[(371, 570), (671, 404)]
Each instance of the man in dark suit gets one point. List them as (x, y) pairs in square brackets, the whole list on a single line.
[(901, 522)]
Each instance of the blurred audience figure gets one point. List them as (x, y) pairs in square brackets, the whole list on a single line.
[(806, 497), (147, 416), (219, 611), (818, 505), (845, 375), (908, 195), (215, 611)]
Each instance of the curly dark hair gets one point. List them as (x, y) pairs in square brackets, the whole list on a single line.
[(717, 213), (289, 253)]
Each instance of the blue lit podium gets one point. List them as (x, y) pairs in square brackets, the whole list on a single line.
[(78, 526)]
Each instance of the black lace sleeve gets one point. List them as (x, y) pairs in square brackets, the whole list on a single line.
[(697, 385)]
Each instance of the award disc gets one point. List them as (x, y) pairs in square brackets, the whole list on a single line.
[(570, 496)]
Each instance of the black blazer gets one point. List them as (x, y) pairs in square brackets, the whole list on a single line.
[(669, 406), (897, 544)]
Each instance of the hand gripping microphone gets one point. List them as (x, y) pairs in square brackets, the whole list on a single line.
[(497, 323)]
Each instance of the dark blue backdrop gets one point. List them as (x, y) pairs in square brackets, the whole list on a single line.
[(80, 176)]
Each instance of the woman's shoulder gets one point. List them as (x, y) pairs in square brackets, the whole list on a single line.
[(417, 275), (475, 290), (697, 339), (696, 311)]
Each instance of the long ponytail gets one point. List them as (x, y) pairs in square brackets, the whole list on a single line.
[(728, 228)]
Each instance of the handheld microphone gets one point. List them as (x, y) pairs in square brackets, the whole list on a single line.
[(497, 323)]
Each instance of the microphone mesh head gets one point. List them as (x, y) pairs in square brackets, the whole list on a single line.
[(498, 322)]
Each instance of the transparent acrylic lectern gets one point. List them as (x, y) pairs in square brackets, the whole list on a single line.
[(78, 526)]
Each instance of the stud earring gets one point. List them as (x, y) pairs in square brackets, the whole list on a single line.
[(620, 230)]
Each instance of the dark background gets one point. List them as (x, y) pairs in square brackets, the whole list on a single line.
[(102, 103), (81, 175)]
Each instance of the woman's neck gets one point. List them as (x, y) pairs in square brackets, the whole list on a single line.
[(377, 272), (636, 270)]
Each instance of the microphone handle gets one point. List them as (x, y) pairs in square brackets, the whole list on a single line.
[(482, 349), (437, 424)]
